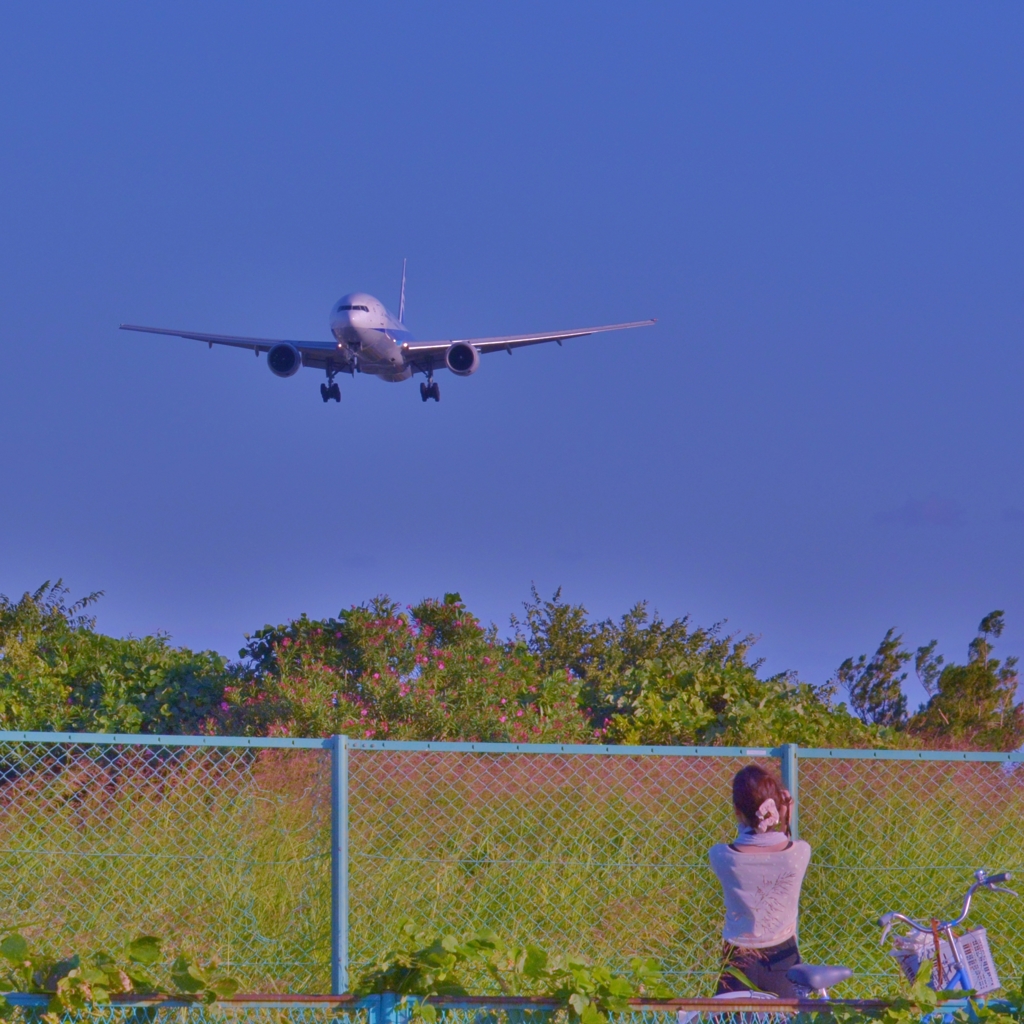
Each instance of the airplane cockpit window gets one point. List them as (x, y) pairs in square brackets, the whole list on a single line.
[(365, 309)]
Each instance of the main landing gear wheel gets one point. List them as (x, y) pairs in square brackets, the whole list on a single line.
[(430, 389), (329, 391)]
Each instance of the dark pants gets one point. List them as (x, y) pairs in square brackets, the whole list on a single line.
[(766, 968)]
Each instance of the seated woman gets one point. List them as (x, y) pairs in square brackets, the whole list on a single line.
[(761, 872)]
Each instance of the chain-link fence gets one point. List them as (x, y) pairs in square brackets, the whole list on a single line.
[(224, 848), (221, 850), (604, 855), (906, 835)]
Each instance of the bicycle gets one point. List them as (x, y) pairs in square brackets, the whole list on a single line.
[(960, 963), (978, 976)]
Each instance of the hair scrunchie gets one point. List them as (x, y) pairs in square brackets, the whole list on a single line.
[(767, 815)]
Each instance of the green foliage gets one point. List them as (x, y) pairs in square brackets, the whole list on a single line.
[(591, 993), (915, 1004), (424, 965), (875, 686), (78, 983), (970, 706), (919, 1000), (205, 983), (603, 655), (57, 673), (973, 704), (678, 703), (434, 672)]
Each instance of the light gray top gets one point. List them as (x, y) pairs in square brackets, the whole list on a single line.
[(762, 893)]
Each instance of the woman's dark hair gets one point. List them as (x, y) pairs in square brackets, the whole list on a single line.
[(751, 786)]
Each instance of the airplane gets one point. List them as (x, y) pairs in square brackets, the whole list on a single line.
[(369, 339)]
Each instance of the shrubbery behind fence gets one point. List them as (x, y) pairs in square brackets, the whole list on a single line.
[(294, 861)]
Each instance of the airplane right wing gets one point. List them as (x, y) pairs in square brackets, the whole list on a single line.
[(432, 353)]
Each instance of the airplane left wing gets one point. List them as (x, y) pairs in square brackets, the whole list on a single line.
[(434, 351), (253, 344)]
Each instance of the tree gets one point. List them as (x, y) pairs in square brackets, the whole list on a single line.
[(972, 705), (876, 686), (727, 704), (606, 655), (58, 673)]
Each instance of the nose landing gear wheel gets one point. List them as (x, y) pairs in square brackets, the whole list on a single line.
[(424, 391), (334, 392), (435, 391), (325, 392)]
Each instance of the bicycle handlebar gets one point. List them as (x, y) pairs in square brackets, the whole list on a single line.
[(981, 881)]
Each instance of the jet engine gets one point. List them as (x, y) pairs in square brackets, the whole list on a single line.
[(462, 359), (284, 360)]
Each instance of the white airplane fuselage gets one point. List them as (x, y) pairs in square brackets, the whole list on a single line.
[(369, 337)]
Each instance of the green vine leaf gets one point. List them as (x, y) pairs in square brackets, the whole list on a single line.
[(14, 948)]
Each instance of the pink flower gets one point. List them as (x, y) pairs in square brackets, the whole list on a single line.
[(376, 675), (503, 718), (519, 713), (369, 733), (363, 713), (224, 706), (440, 664), (503, 700), (286, 642)]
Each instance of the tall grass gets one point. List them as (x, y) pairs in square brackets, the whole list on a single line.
[(227, 854), (223, 853)]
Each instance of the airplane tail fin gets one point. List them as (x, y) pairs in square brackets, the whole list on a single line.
[(401, 299)]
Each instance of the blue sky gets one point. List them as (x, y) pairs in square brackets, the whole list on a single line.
[(822, 205)]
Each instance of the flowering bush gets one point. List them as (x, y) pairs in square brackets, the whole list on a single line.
[(377, 672)]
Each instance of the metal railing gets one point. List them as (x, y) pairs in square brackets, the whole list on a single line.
[(293, 862), (389, 1009)]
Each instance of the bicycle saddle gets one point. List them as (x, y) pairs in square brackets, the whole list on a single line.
[(817, 976)]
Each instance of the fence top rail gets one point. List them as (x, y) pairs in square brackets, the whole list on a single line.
[(133, 740), (776, 752), (999, 757), (564, 748), (298, 743)]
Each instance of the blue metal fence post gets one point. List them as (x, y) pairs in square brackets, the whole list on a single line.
[(791, 781), (339, 866)]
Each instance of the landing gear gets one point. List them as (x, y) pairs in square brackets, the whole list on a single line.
[(330, 389), (430, 390)]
